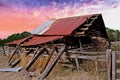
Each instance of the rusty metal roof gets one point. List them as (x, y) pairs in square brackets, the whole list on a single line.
[(60, 28), (65, 26), (41, 39)]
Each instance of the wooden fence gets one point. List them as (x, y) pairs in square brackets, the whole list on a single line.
[(113, 60)]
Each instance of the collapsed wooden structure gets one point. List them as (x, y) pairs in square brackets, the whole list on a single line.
[(63, 36)]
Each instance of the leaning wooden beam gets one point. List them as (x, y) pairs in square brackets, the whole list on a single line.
[(50, 67), (18, 46), (34, 58), (48, 60), (36, 51), (15, 63)]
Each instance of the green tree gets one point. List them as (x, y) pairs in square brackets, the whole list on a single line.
[(114, 35), (13, 37)]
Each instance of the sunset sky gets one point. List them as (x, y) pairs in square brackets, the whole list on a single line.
[(17, 16)]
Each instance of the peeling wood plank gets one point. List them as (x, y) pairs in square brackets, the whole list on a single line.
[(80, 33), (84, 29), (94, 18), (87, 24)]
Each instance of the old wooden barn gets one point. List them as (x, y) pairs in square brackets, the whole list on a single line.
[(62, 36)]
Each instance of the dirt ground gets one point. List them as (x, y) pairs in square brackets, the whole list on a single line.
[(10, 75), (58, 73)]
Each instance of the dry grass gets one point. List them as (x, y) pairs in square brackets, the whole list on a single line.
[(115, 46), (63, 73)]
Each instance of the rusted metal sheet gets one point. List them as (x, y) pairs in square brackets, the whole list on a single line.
[(41, 39), (16, 42), (15, 69), (66, 26)]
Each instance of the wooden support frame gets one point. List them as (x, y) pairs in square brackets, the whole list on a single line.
[(51, 54), (14, 64), (18, 46), (50, 67), (35, 58)]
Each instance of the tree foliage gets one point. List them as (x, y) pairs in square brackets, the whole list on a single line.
[(13, 37), (114, 35)]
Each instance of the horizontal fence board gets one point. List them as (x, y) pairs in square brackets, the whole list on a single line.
[(117, 52), (118, 61), (117, 70), (92, 53), (99, 58)]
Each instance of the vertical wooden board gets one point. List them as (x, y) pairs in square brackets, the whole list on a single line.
[(113, 66), (97, 69), (77, 64), (109, 64)]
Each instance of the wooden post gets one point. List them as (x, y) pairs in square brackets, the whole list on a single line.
[(81, 49), (113, 66), (109, 63), (97, 69), (76, 62)]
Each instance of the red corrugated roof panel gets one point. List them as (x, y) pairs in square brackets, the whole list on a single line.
[(18, 41), (41, 39), (66, 26)]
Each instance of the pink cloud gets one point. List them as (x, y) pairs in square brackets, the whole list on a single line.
[(14, 20)]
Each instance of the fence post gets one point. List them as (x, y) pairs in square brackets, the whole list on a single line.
[(113, 66), (109, 63)]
